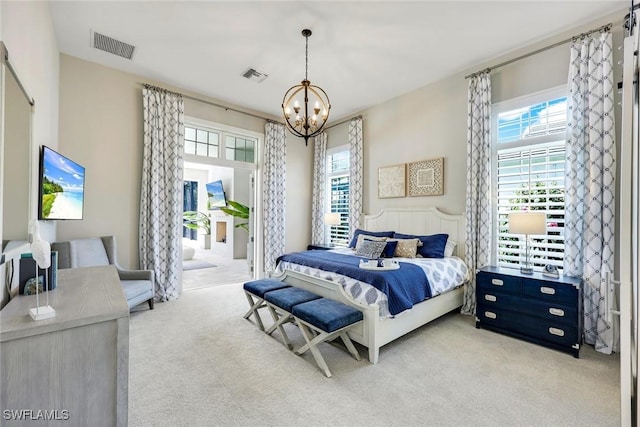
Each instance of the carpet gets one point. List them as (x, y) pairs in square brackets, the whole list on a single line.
[(195, 264), (206, 365)]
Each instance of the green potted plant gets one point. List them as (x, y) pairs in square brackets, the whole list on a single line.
[(237, 210), (198, 220)]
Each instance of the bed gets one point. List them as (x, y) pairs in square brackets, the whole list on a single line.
[(379, 329)]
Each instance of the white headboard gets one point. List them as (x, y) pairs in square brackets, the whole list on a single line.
[(423, 221)]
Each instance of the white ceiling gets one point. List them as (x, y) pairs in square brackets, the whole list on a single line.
[(361, 53)]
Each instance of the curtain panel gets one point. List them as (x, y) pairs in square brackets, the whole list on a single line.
[(590, 180), (319, 191), (478, 188), (274, 193), (160, 238), (356, 176)]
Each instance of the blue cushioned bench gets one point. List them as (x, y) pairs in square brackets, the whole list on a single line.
[(281, 303), (254, 291), (328, 319)]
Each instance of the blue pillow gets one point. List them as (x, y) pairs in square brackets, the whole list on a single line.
[(432, 246), (389, 249), (358, 231)]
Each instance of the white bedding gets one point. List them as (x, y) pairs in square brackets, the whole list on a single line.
[(444, 274)]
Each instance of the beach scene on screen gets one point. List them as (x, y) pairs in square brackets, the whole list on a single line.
[(62, 187)]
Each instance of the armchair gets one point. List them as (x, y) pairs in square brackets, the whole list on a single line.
[(137, 285)]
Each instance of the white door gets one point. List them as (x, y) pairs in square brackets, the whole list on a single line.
[(628, 252)]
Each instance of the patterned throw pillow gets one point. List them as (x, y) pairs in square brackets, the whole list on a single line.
[(370, 249), (362, 237), (407, 248)]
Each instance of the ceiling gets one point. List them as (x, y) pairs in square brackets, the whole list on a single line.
[(361, 53)]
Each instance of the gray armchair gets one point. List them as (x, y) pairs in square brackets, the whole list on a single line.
[(137, 285)]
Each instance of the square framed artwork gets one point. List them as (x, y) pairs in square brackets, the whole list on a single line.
[(426, 178), (392, 181)]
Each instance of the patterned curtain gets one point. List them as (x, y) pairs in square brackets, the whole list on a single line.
[(274, 190), (590, 180), (160, 237), (478, 191), (319, 192), (355, 173)]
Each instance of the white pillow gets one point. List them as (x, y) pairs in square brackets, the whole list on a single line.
[(449, 248)]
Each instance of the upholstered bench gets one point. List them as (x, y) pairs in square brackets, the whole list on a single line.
[(327, 319), (254, 291), (280, 303)]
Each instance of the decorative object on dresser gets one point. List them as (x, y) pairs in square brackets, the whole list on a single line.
[(41, 253), (392, 181), (527, 223), (426, 178), (535, 308)]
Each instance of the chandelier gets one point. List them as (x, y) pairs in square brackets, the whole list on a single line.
[(306, 106)]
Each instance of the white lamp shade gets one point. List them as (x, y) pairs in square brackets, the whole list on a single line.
[(332, 218), (527, 222)]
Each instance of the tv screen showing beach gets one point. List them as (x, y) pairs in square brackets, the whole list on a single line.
[(215, 192), (61, 187)]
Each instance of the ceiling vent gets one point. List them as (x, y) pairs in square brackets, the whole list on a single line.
[(111, 45), (254, 75)]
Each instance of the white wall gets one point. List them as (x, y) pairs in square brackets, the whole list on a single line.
[(27, 31), (431, 122), (101, 128)]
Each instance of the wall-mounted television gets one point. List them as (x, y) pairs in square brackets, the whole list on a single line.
[(61, 187), (215, 193)]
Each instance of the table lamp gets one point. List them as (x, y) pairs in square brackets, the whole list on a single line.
[(527, 223), (332, 218)]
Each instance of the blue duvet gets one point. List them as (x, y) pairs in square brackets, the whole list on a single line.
[(404, 287)]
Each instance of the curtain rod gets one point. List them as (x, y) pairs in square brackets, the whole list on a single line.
[(204, 101), (343, 122), (606, 27)]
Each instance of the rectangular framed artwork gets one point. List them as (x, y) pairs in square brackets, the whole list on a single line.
[(426, 178), (392, 181)]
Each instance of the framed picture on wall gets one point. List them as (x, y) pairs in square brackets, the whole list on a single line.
[(426, 178), (392, 181)]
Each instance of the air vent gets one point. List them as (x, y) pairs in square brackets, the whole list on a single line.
[(111, 45), (254, 75)]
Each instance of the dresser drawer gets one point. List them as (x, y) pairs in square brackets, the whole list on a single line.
[(550, 291), (498, 283), (550, 331), (550, 310), (496, 317)]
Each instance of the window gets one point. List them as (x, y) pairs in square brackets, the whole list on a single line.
[(219, 143), (338, 194), (528, 174)]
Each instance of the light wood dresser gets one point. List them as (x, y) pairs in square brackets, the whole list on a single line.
[(73, 367)]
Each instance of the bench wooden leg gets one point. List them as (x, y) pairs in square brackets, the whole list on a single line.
[(311, 345), (277, 324), (254, 306)]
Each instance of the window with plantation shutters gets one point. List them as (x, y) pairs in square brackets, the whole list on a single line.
[(338, 194), (528, 174)]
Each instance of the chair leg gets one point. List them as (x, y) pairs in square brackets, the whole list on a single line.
[(150, 301)]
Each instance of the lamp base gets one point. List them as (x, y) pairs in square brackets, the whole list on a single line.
[(41, 313), (526, 270)]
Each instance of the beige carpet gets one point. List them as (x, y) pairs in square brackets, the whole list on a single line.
[(195, 361)]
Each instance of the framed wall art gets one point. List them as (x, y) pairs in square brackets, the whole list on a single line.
[(426, 178), (392, 181)]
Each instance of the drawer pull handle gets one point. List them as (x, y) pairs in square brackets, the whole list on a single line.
[(491, 298), (556, 331), (490, 315), (497, 282), (556, 311), (547, 290)]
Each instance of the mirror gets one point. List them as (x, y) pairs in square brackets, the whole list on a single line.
[(16, 110)]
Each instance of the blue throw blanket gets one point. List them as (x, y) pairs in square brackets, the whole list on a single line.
[(404, 287)]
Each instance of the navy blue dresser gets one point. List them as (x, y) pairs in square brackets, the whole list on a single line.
[(533, 307)]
